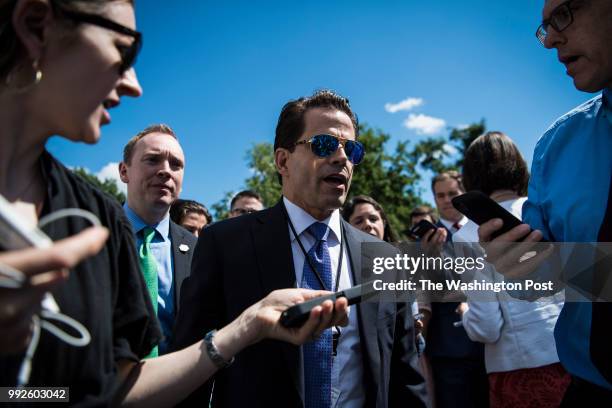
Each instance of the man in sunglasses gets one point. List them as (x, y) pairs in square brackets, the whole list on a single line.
[(302, 241), (576, 151)]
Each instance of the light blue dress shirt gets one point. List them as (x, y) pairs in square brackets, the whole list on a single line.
[(568, 194), (161, 248)]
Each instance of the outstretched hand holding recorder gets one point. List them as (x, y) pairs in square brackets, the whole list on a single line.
[(297, 315)]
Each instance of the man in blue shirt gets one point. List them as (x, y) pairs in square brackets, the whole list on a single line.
[(152, 168), (570, 191)]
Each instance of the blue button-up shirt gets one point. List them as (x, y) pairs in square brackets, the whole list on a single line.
[(568, 195), (161, 248)]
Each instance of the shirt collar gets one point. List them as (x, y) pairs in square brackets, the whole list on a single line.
[(606, 103), (302, 220), (162, 227), (449, 224)]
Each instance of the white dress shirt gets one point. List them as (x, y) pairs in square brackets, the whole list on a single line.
[(451, 225), (348, 364)]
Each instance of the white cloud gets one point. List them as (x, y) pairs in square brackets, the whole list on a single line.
[(405, 105), (424, 125), (111, 171), (462, 126), (450, 149)]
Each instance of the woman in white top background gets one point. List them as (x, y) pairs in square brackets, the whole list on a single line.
[(520, 354)]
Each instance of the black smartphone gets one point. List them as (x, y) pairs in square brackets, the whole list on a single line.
[(479, 208), (298, 314), (420, 229)]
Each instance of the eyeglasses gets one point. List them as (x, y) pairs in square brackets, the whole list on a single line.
[(128, 53), (326, 145), (243, 211), (560, 18)]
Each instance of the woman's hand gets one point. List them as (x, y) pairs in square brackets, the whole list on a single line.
[(262, 320), (462, 308), (43, 269)]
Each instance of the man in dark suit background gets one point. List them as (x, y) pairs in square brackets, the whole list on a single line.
[(372, 361), (152, 167), (457, 363)]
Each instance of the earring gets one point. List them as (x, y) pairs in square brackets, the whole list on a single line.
[(38, 73), (10, 83)]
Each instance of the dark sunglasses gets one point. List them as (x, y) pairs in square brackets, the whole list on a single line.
[(326, 145), (129, 53)]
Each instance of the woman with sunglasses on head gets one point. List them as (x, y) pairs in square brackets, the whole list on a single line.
[(63, 65)]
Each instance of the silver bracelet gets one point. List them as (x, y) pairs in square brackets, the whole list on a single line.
[(213, 351)]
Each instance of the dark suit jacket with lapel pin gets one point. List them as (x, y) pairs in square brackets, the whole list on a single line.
[(183, 247), (444, 339), (447, 343), (241, 260)]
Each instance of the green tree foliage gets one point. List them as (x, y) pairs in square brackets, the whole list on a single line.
[(430, 154), (391, 179), (462, 138), (446, 153), (260, 159), (220, 209), (108, 185)]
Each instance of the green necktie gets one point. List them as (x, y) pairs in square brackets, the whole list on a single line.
[(149, 269)]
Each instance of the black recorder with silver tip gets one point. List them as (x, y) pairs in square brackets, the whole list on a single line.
[(297, 315)]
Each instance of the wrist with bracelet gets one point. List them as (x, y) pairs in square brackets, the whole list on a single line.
[(213, 352)]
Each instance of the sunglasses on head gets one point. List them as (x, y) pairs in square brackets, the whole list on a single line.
[(128, 53), (326, 145)]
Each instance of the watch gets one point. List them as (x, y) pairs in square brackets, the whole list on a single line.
[(213, 351)]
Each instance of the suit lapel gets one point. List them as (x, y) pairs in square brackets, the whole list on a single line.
[(273, 250), (367, 312), (180, 261), (275, 262)]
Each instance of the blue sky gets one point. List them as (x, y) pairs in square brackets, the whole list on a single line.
[(219, 73)]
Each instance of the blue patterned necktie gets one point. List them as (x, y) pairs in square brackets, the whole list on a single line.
[(318, 353)]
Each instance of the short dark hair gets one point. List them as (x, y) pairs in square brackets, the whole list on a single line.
[(245, 193), (291, 124), (423, 210), (180, 208), (128, 150), (349, 208), (493, 162), (447, 175)]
